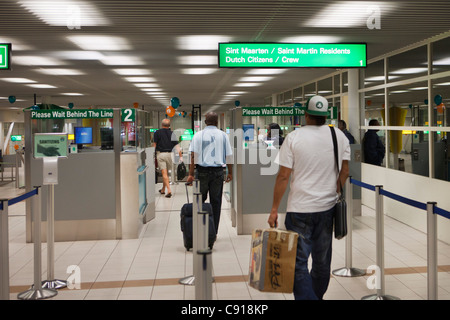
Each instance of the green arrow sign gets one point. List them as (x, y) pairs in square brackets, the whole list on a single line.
[(292, 55), (5, 56)]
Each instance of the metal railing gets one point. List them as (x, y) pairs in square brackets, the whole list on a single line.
[(432, 264)]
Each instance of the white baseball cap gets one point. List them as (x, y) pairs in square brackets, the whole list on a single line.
[(317, 106)]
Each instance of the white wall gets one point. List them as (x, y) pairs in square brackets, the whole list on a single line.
[(410, 186)]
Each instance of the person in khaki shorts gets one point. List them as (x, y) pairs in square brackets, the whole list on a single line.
[(164, 142)]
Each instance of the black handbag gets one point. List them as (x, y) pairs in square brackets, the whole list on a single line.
[(181, 171), (340, 210)]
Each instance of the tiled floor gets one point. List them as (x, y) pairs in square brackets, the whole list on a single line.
[(150, 267)]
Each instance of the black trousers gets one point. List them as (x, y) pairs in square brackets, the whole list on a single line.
[(211, 182)]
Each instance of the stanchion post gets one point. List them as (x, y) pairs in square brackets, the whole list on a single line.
[(432, 263), (37, 292), (4, 253), (379, 230), (348, 270), (51, 282), (203, 287)]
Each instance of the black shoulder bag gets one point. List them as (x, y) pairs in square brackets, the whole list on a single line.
[(340, 211)]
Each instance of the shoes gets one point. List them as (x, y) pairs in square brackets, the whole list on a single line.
[(168, 195), (160, 191)]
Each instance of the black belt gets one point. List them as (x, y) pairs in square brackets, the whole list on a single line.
[(209, 168)]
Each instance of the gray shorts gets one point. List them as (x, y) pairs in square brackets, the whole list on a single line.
[(164, 160)]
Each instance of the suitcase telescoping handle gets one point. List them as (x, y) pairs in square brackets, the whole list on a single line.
[(187, 193)]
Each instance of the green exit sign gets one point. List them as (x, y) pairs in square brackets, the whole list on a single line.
[(5, 56), (292, 55)]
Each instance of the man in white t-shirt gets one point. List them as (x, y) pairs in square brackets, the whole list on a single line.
[(307, 158)]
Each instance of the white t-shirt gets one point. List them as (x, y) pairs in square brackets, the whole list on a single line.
[(309, 152), (212, 147)]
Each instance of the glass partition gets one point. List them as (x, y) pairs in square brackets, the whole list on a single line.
[(409, 64)]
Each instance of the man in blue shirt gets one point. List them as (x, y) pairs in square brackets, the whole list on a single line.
[(210, 149)]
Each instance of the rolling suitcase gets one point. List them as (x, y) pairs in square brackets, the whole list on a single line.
[(186, 224)]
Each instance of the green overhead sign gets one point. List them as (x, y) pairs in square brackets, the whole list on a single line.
[(5, 56), (281, 111), (292, 55), (72, 114)]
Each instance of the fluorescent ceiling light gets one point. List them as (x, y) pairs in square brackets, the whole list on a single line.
[(399, 91), (250, 79), (198, 60), (37, 61), (419, 88), (103, 43), (146, 85), (348, 14), (198, 71), (409, 70), (18, 80), (41, 86), (155, 93), (248, 84), (266, 71), (312, 39), (379, 78), (140, 79), (78, 55), (151, 89), (442, 62), (201, 42), (443, 84), (122, 61), (60, 72), (237, 92), (132, 72), (72, 94), (73, 14)]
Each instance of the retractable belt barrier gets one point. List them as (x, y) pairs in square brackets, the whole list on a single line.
[(4, 239), (432, 211)]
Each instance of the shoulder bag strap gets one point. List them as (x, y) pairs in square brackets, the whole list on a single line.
[(336, 157)]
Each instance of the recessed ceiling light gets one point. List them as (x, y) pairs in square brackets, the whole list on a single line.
[(60, 72), (122, 61), (78, 55), (201, 42), (442, 62), (198, 71), (99, 42), (409, 70), (151, 89), (146, 85), (37, 61), (198, 60), (248, 84), (250, 79), (41, 86), (18, 80), (347, 14), (266, 71), (72, 94), (312, 39), (69, 13), (132, 72), (237, 92), (140, 79)]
